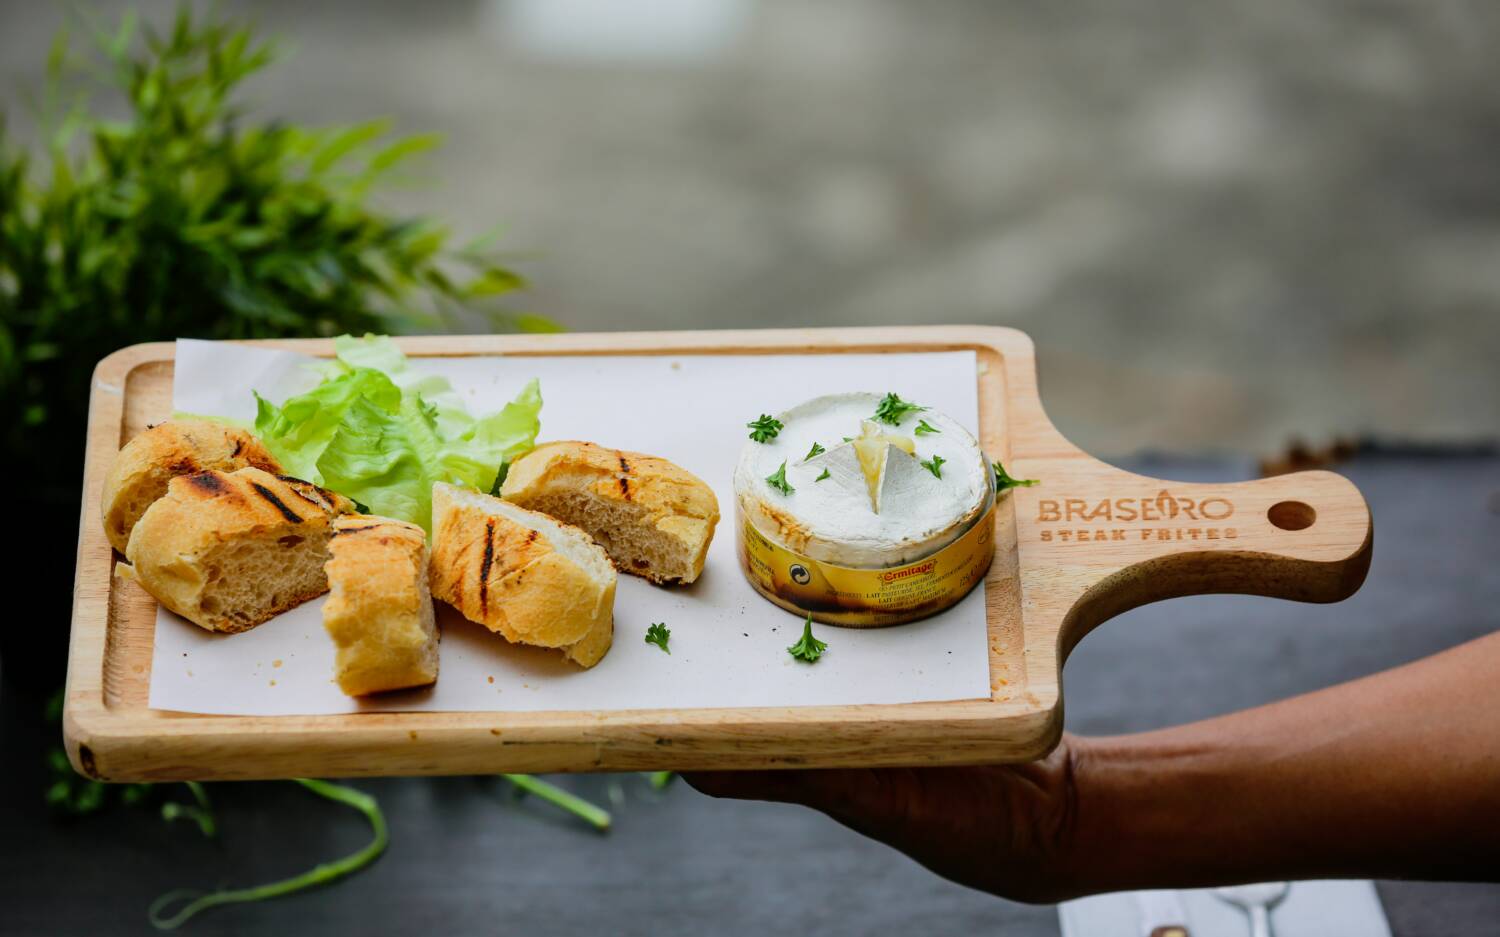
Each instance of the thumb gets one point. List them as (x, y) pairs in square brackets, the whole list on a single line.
[(778, 786), (844, 793)]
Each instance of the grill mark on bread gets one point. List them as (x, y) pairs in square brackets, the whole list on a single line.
[(484, 566), (150, 462), (587, 485), (270, 496), (341, 531), (207, 482), (312, 494), (296, 484)]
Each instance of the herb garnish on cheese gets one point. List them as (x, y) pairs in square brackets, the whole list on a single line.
[(765, 428), (892, 409), (876, 507), (777, 480)]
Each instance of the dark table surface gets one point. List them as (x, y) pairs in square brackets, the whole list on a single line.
[(466, 857)]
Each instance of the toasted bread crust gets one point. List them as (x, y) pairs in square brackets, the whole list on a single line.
[(515, 581), (211, 508), (379, 613), (669, 501), (142, 469)]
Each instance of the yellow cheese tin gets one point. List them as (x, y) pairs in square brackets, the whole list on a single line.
[(867, 597)]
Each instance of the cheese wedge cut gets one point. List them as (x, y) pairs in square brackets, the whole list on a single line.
[(873, 449), (866, 499)]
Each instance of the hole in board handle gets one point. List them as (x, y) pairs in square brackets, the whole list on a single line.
[(1292, 515)]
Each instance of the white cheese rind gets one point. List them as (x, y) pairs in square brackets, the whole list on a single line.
[(833, 520)]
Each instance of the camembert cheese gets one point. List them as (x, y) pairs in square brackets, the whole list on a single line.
[(863, 493), (871, 447)]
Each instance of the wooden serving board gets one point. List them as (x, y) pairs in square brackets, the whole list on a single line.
[(1088, 543)]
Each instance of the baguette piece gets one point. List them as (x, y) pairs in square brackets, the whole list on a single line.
[(228, 550), (379, 611), (654, 518), (141, 470), (527, 576)]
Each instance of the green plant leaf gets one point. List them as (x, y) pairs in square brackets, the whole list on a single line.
[(403, 150), (190, 215), (494, 282), (341, 143)]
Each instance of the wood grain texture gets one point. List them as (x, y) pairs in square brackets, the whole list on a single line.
[(1088, 543)]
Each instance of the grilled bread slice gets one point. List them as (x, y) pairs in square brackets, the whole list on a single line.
[(527, 576), (141, 470), (379, 611), (228, 550), (654, 518)]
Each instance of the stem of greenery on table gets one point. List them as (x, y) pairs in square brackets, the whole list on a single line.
[(321, 874), (595, 816)]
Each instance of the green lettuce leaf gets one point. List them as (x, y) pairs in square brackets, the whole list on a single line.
[(381, 433)]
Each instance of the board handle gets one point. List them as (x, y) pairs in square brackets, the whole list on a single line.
[(1305, 536)]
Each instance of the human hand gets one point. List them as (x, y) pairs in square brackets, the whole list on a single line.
[(1391, 776), (1004, 829)]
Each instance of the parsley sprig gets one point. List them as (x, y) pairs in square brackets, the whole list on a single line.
[(892, 409), (1004, 481), (765, 428), (815, 450), (934, 465), (809, 649), (926, 429), (821, 477), (777, 480), (659, 634)]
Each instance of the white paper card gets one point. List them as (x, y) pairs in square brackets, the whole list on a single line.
[(728, 643), (1310, 909)]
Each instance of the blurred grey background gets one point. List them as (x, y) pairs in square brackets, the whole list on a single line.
[(1224, 224)]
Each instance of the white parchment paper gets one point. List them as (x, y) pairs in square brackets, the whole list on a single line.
[(728, 644)]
